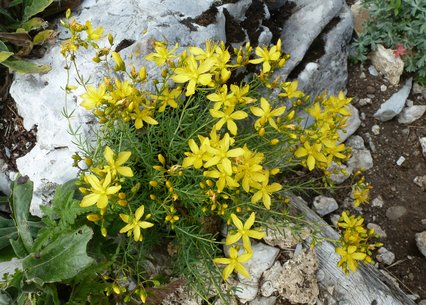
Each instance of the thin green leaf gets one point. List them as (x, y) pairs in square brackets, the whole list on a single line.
[(43, 37), (3, 47), (35, 7), (62, 259), (25, 67)]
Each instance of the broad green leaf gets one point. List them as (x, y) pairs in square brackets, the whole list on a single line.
[(22, 193), (35, 7), (5, 299), (34, 24), (43, 37), (3, 47), (18, 247), (62, 259), (5, 55), (7, 231), (25, 67)]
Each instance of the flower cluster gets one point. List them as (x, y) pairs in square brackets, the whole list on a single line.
[(355, 242), (205, 149)]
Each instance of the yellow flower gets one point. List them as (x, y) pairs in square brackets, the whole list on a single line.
[(162, 54), (194, 74), (223, 178), (222, 98), (99, 191), (144, 115), (234, 262), (249, 169), (266, 113), (134, 223), (197, 155), (240, 94), (114, 165), (93, 34), (351, 222), (266, 56), (349, 258), (222, 153), (360, 193), (168, 98), (290, 89), (228, 116), (93, 98), (120, 66), (265, 190), (313, 153), (244, 232)]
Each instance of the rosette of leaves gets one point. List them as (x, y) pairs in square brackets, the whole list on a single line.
[(22, 28)]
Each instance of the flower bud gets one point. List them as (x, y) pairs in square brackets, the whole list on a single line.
[(120, 66)]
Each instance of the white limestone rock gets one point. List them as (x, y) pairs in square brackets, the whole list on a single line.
[(352, 124), (246, 292), (294, 281), (10, 266), (361, 157), (339, 172), (377, 230), (324, 205), (40, 99), (421, 242), (386, 64), (422, 141), (411, 114), (385, 256), (394, 105), (303, 26), (329, 72), (284, 237), (264, 301)]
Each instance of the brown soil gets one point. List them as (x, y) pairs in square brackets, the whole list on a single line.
[(392, 182)]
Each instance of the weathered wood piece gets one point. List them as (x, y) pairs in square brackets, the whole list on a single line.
[(367, 286)]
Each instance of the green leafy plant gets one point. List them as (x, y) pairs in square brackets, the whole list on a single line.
[(399, 25), (189, 159), (20, 31)]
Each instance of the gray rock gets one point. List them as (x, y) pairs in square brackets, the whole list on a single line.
[(4, 179), (423, 145), (245, 292), (420, 181), (352, 124), (378, 202), (411, 114), (385, 256), (372, 70), (330, 73), (377, 229), (422, 302), (364, 101), (375, 129), (303, 26), (394, 105), (419, 89), (395, 212), (264, 301), (383, 88), (334, 219), (386, 64), (360, 159), (339, 173), (324, 205), (421, 242)]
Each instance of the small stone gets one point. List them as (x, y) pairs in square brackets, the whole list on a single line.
[(394, 105), (360, 159), (378, 202), (411, 114), (263, 258), (395, 212), (400, 161), (264, 301), (360, 15), (371, 90), (423, 221), (377, 229), (362, 75), (339, 173), (409, 103), (422, 302), (386, 64), (356, 142), (334, 219), (421, 242), (246, 293), (370, 142), (423, 145), (352, 124), (419, 89), (383, 88), (385, 256), (420, 181), (281, 237), (375, 129), (325, 205), (373, 71), (364, 101)]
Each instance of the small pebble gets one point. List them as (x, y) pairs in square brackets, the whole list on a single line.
[(378, 202), (375, 129), (383, 88), (362, 116), (370, 89), (377, 229), (372, 70), (395, 212), (400, 161), (362, 75), (364, 101), (409, 103)]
